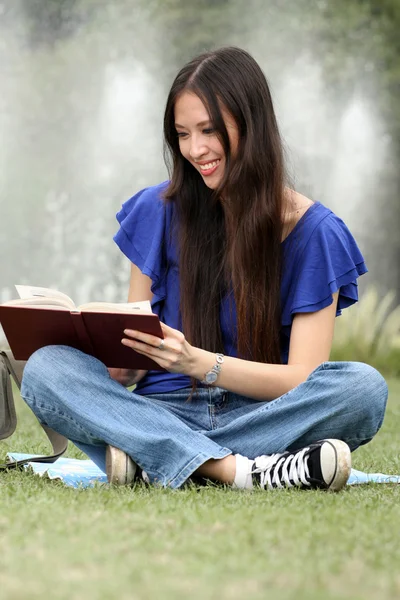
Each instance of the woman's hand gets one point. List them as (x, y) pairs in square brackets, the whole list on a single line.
[(172, 353), (127, 377)]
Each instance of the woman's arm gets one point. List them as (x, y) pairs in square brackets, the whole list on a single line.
[(139, 289), (310, 345)]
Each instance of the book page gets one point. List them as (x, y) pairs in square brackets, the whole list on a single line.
[(39, 297), (27, 292), (143, 307), (37, 302)]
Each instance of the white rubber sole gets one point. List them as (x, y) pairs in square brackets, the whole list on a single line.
[(335, 464), (120, 468)]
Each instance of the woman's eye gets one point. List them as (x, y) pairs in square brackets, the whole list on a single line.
[(181, 134), (209, 131)]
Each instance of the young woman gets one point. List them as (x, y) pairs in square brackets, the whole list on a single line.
[(247, 277)]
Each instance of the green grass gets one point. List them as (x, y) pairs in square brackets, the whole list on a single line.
[(200, 543)]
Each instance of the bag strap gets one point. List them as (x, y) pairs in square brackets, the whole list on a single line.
[(59, 442)]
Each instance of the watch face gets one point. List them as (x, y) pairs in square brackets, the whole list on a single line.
[(211, 377)]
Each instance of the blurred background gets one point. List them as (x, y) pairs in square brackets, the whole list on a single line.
[(83, 85)]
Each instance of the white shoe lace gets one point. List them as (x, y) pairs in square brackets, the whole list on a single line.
[(282, 470)]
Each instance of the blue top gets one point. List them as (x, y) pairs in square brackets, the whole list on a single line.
[(320, 257)]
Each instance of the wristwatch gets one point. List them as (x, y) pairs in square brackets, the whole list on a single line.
[(211, 376)]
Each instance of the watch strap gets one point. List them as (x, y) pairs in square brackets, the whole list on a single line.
[(212, 375)]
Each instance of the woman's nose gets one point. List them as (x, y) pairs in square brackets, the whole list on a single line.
[(197, 148)]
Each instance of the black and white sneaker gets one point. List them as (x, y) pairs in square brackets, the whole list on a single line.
[(121, 469), (325, 465)]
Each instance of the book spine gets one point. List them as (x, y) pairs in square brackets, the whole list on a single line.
[(81, 332)]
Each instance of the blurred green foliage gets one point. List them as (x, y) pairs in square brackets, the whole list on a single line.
[(370, 332)]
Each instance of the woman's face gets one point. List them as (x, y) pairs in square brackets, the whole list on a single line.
[(198, 141)]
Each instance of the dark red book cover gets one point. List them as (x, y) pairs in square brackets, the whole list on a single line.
[(27, 329)]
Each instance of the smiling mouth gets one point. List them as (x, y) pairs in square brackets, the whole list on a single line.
[(210, 167)]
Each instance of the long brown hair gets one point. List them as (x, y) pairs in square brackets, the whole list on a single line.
[(230, 238)]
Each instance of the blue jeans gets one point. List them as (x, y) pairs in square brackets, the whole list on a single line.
[(170, 438)]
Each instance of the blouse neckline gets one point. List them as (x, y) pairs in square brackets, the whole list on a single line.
[(301, 220)]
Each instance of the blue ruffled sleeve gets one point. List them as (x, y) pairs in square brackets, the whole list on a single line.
[(327, 260), (141, 237)]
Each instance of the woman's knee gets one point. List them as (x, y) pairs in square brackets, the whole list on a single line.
[(368, 394), (56, 366), (45, 360)]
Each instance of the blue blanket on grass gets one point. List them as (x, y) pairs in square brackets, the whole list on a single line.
[(84, 473)]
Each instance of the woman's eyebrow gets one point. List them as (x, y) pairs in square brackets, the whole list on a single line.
[(201, 124)]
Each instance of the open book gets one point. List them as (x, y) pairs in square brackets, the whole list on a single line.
[(42, 317)]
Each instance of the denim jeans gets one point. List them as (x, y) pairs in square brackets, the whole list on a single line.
[(170, 438)]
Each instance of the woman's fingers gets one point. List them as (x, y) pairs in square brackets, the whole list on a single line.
[(139, 346), (168, 358), (170, 352), (150, 348), (166, 328), (170, 332), (146, 338), (170, 335)]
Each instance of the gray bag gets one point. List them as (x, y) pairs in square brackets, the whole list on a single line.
[(9, 367)]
